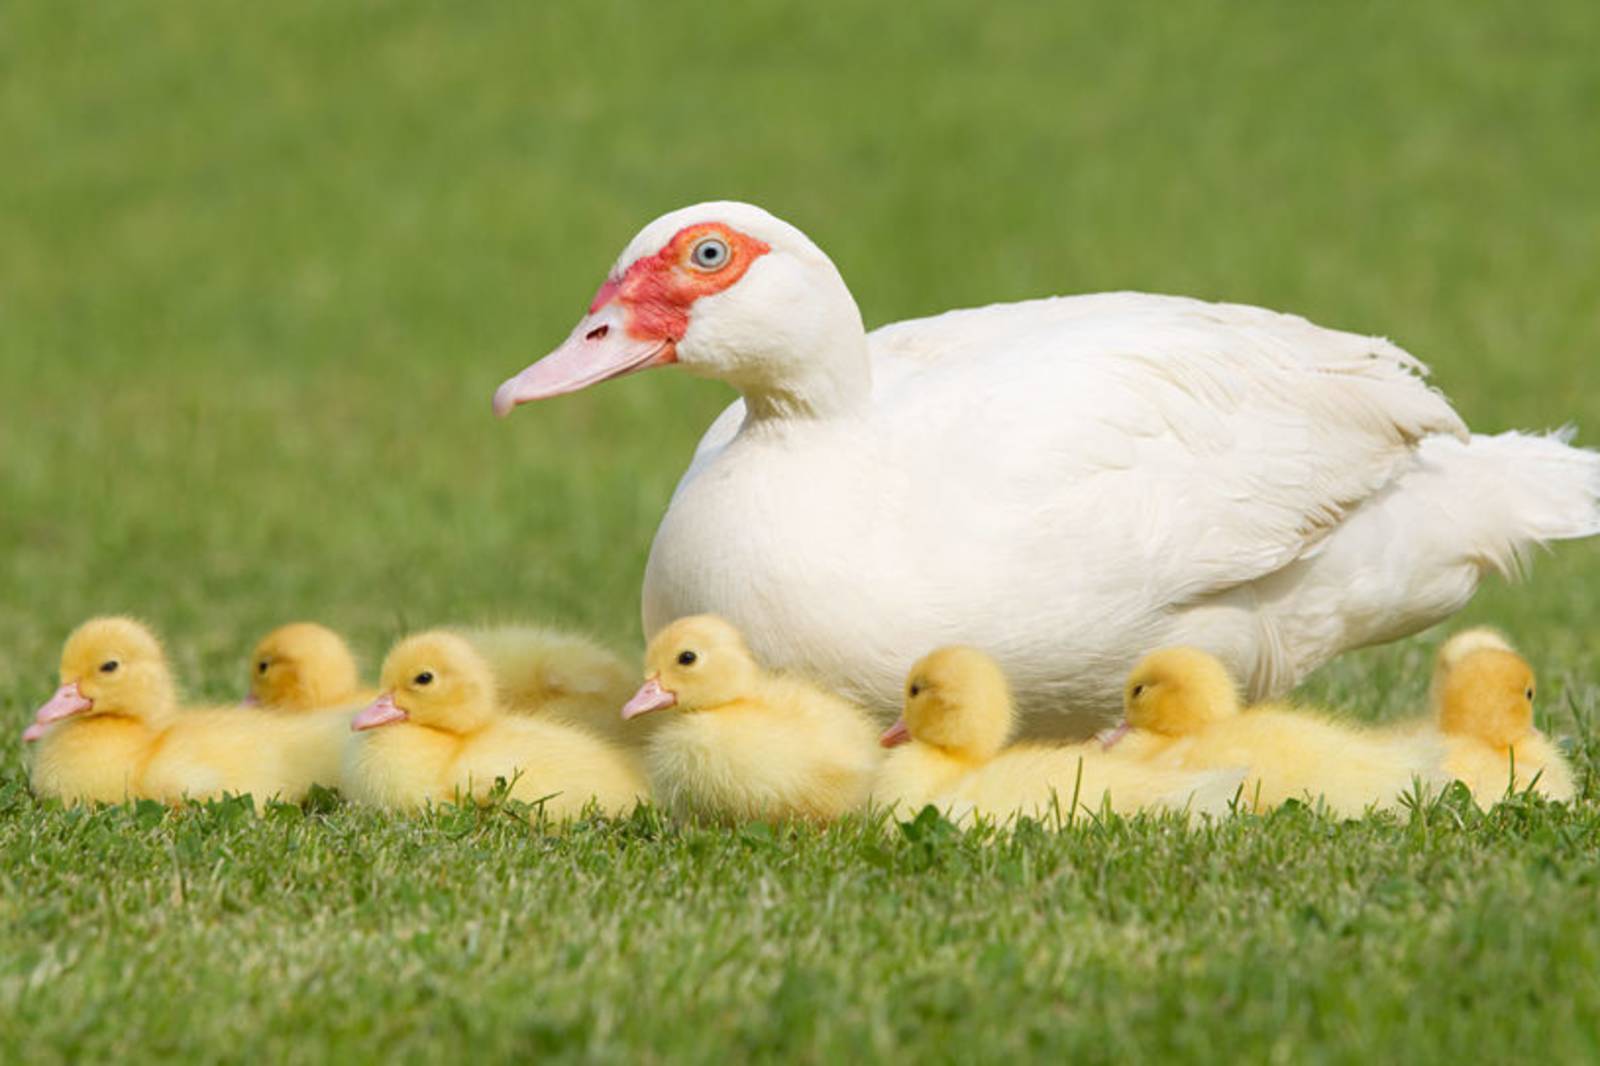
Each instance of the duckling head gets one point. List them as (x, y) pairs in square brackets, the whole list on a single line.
[(301, 666), (1178, 691), (109, 666), (1467, 641), (957, 699), (1488, 694), (433, 679), (1458, 647), (696, 663)]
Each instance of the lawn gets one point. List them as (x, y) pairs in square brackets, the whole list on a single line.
[(261, 268)]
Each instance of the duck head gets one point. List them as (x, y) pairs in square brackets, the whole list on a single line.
[(1175, 692), (697, 663), (957, 699), (724, 290), (433, 679), (1488, 694), (301, 666), (113, 667)]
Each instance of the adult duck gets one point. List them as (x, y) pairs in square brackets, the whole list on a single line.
[(1065, 483)]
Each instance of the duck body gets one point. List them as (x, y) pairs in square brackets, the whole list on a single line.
[(206, 752), (1044, 781), (1062, 482), (782, 754), (1297, 754), (1089, 476), (196, 754), (916, 774), (1490, 773), (409, 766), (93, 760), (563, 677)]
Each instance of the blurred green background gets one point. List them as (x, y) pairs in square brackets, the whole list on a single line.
[(262, 266)]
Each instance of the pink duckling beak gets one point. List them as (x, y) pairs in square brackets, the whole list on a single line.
[(650, 697), (249, 700), (382, 712), (67, 701), (1108, 737), (896, 735), (600, 348)]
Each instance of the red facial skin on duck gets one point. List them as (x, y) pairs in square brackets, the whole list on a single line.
[(658, 290), (636, 320)]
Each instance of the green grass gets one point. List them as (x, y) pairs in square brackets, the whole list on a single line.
[(261, 268)]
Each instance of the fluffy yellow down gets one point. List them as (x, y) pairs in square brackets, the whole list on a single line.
[(958, 715), (444, 737), (132, 741), (1182, 710), (739, 743)]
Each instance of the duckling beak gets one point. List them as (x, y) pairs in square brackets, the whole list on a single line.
[(382, 712), (1108, 737), (650, 697), (67, 701), (896, 735), (599, 348), (250, 700)]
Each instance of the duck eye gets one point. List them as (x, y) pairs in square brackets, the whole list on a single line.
[(1138, 690), (709, 253), (261, 667), (424, 678), (109, 666), (687, 658), (915, 690), (1529, 694)]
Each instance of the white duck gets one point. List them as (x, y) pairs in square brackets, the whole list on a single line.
[(1065, 482)]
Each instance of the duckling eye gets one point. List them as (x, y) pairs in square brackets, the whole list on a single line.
[(687, 658), (424, 678), (109, 666), (261, 667), (915, 690), (1138, 690), (1529, 694), (709, 253)]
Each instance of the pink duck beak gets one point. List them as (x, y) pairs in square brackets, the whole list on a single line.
[(896, 735), (249, 700), (382, 712), (67, 701), (650, 697), (600, 348), (1108, 737)]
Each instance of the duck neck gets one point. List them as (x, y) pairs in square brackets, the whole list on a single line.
[(812, 389), (808, 362)]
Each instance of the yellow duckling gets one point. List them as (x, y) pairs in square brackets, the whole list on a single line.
[(304, 666), (562, 676), (114, 731), (744, 744), (1182, 710), (948, 752), (437, 734), (1484, 711)]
